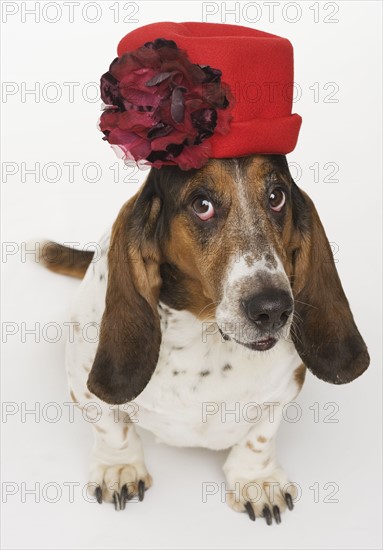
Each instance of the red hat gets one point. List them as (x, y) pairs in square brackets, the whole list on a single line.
[(165, 102)]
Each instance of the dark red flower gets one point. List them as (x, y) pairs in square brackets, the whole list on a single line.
[(161, 109)]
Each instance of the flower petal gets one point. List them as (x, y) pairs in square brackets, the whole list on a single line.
[(109, 89), (157, 79), (130, 142), (177, 107)]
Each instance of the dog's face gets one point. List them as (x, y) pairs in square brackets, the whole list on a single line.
[(236, 242), (227, 247)]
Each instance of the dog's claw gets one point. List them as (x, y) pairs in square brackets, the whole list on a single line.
[(116, 501), (250, 511), (98, 494), (141, 490), (224, 336), (267, 515), (289, 501), (277, 514), (124, 496)]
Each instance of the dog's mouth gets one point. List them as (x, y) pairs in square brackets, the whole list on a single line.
[(259, 345)]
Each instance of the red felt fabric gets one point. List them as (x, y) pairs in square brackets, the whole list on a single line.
[(258, 67)]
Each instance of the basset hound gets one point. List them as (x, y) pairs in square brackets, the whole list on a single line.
[(215, 287)]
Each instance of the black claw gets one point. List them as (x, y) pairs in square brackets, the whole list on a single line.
[(141, 490), (267, 515), (124, 496), (277, 514), (98, 494), (116, 500), (289, 501), (250, 511)]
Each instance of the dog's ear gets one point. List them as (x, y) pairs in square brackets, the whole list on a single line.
[(130, 334), (324, 331)]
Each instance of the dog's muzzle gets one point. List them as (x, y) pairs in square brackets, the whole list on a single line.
[(267, 313)]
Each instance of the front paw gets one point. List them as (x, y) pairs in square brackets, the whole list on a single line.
[(265, 497), (119, 483)]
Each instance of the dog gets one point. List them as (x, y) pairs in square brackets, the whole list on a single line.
[(215, 288)]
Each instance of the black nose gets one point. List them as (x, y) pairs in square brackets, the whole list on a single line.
[(270, 309)]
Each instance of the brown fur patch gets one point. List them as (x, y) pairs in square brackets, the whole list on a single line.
[(125, 430), (99, 429), (65, 260), (250, 446), (183, 251), (300, 375), (261, 439), (73, 397)]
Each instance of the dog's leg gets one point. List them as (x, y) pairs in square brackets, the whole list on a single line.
[(256, 483), (118, 471)]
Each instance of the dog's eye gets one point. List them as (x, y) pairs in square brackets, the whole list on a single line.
[(203, 208), (277, 199)]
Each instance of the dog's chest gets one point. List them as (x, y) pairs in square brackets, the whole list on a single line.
[(209, 392)]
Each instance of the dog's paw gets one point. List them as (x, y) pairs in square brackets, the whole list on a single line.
[(119, 483), (265, 497)]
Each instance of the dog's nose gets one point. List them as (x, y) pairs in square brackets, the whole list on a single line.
[(270, 309)]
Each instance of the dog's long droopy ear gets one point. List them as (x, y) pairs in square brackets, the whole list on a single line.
[(324, 331), (130, 334)]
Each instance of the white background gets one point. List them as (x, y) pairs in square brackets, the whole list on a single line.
[(40, 130)]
